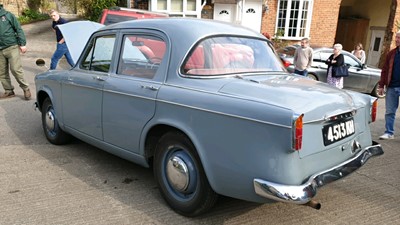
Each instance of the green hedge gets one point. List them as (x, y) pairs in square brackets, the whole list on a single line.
[(29, 16)]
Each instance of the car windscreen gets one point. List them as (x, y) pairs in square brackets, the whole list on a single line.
[(227, 55)]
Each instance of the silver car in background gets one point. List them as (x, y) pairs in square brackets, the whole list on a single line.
[(362, 78)]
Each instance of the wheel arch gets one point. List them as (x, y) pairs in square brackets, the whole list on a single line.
[(42, 94), (154, 134), (374, 92), (313, 76), (157, 131)]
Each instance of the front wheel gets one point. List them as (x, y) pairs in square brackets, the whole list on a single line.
[(180, 176), (50, 125)]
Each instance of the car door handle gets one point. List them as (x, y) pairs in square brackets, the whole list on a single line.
[(100, 78), (150, 87)]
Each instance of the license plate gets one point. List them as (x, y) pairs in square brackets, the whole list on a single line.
[(338, 130)]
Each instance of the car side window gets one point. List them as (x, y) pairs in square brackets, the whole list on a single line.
[(141, 56), (317, 57), (99, 55), (325, 56), (350, 61)]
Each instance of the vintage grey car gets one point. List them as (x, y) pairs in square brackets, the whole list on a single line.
[(211, 110)]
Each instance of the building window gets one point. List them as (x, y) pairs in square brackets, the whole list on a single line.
[(177, 8), (294, 18), (250, 10)]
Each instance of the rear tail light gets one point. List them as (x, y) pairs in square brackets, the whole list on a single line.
[(298, 133), (374, 109)]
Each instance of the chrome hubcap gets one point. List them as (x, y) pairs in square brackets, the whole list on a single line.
[(50, 120), (178, 173)]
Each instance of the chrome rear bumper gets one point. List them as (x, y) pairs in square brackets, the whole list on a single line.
[(303, 194)]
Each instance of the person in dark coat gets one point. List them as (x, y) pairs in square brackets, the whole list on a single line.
[(335, 60)]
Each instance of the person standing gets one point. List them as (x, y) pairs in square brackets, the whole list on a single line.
[(62, 49), (12, 42), (390, 79), (359, 52), (303, 57), (335, 60)]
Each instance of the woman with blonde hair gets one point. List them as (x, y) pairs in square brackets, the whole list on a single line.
[(335, 60), (359, 52)]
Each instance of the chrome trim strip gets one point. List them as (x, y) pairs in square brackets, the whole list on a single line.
[(225, 114), (326, 117), (353, 111), (302, 194), (71, 83), (130, 95)]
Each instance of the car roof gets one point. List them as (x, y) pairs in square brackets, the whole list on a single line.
[(187, 27), (181, 32)]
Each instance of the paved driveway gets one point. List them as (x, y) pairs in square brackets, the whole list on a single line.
[(43, 184)]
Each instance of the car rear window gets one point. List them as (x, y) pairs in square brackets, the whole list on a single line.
[(110, 19), (230, 55)]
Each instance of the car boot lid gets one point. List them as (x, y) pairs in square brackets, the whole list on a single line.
[(303, 95), (76, 42)]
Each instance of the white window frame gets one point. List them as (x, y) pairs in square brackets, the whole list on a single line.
[(184, 13), (299, 18)]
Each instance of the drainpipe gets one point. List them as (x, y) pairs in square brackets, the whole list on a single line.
[(201, 9), (239, 15)]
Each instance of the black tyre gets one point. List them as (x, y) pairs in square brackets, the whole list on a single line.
[(375, 92), (312, 76), (180, 176), (50, 125)]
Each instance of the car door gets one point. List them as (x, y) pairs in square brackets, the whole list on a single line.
[(319, 66), (82, 93), (129, 98), (357, 80)]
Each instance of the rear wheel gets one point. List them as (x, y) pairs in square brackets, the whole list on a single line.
[(312, 76), (50, 125), (375, 92), (180, 176)]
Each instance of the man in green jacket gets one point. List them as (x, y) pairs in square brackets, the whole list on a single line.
[(12, 42)]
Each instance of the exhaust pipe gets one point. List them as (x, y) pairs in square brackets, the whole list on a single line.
[(313, 204)]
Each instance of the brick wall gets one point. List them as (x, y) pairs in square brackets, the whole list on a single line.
[(269, 18), (323, 24)]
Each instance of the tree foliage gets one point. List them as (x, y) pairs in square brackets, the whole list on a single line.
[(90, 9), (29, 15)]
